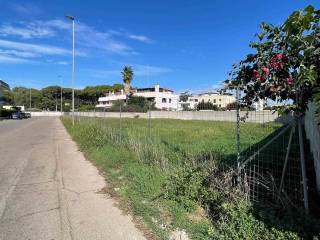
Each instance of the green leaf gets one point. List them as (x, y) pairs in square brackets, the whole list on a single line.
[(309, 9)]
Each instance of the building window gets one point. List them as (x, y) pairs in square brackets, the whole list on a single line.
[(214, 101), (169, 100), (196, 100), (164, 100), (219, 105), (220, 100)]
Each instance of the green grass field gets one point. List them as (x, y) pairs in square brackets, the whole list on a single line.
[(160, 170)]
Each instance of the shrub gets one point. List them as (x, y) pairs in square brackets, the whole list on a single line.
[(186, 187), (206, 106), (5, 113), (134, 104)]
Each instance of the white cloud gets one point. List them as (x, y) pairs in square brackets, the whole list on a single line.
[(34, 48), (146, 70), (139, 70), (12, 60), (16, 53), (140, 38), (27, 32), (89, 37), (86, 36), (26, 8), (62, 63)]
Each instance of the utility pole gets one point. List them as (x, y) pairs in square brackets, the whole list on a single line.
[(73, 39)]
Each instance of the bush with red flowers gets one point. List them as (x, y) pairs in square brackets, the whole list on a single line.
[(285, 65)]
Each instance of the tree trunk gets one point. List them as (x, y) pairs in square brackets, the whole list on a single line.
[(127, 88)]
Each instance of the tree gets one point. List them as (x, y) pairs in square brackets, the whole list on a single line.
[(206, 106), (184, 96), (127, 76), (7, 97), (285, 65), (48, 97), (231, 106)]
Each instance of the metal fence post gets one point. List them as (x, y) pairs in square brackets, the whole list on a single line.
[(120, 111), (303, 168), (238, 134), (149, 120)]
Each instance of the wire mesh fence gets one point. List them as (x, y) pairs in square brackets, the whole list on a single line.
[(273, 170), (254, 143)]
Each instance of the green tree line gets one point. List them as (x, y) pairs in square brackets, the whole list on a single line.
[(49, 98)]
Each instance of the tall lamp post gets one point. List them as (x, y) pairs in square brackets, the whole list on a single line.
[(72, 19)]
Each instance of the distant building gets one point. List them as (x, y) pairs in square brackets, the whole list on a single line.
[(259, 106), (110, 99), (217, 99), (164, 98), (3, 87)]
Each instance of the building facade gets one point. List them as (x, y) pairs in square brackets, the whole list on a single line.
[(3, 87), (259, 105), (164, 99), (110, 99), (217, 99)]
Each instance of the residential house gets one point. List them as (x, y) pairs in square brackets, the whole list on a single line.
[(217, 99), (164, 98)]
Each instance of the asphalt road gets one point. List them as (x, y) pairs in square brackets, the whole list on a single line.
[(49, 191)]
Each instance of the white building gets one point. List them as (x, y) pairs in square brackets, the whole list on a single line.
[(164, 99), (110, 98), (217, 99), (259, 106)]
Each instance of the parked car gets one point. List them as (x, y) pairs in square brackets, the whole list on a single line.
[(16, 115), (23, 115), (27, 115)]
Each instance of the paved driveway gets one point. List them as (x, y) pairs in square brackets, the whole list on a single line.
[(49, 191)]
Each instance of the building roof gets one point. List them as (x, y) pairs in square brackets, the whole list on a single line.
[(152, 89), (213, 94)]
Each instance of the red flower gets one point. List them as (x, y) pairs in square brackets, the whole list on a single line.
[(277, 61), (256, 75), (290, 80), (265, 70), (279, 56)]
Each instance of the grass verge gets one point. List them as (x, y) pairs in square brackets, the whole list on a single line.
[(174, 174)]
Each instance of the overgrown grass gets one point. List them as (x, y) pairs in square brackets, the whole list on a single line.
[(172, 173)]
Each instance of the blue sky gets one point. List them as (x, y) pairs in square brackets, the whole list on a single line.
[(180, 44)]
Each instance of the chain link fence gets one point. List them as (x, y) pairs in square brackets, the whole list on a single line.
[(262, 146)]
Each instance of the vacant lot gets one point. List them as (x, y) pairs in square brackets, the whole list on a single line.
[(173, 173)]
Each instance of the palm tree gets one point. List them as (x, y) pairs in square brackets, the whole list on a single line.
[(127, 76)]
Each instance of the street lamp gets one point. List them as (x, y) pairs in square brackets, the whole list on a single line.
[(72, 19)]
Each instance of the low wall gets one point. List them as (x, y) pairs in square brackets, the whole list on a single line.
[(230, 116), (46, 114)]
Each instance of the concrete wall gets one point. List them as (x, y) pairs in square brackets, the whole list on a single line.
[(255, 116), (313, 135), (46, 114), (229, 116)]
